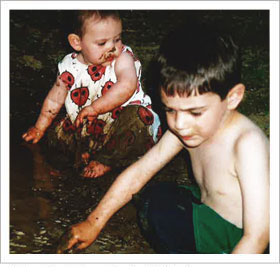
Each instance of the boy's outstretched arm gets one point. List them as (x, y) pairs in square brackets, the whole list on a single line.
[(252, 166), (118, 94), (128, 183), (51, 106)]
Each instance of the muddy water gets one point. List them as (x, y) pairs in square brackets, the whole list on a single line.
[(31, 205), (43, 206)]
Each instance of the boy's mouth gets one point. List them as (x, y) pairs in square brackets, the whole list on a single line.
[(186, 138)]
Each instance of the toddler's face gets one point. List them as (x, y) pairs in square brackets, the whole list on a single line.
[(101, 42), (196, 118)]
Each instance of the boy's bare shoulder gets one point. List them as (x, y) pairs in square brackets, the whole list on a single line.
[(249, 135)]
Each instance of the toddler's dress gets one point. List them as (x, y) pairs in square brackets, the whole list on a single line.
[(116, 138)]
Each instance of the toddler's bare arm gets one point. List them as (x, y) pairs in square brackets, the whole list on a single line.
[(118, 94), (51, 106), (252, 166)]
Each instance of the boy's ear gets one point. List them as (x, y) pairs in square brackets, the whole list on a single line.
[(235, 96), (75, 42)]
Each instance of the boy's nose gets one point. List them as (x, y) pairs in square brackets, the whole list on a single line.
[(181, 122)]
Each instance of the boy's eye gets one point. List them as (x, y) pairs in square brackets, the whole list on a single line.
[(168, 110), (118, 39), (196, 114), (101, 44)]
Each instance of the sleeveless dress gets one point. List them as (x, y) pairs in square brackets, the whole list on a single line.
[(118, 137)]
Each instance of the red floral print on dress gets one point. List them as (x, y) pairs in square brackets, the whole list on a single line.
[(96, 128), (106, 87), (68, 126), (96, 72), (116, 112), (145, 115), (80, 96), (68, 79)]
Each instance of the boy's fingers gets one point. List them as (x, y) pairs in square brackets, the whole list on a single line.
[(72, 242), (83, 245)]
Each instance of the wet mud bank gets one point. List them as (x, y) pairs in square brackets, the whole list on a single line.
[(43, 206)]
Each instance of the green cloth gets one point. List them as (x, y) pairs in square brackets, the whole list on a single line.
[(213, 234)]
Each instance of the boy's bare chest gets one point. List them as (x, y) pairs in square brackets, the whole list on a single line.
[(215, 174), (214, 168)]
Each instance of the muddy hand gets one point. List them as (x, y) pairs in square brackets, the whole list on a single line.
[(87, 112), (63, 245), (34, 134), (79, 236)]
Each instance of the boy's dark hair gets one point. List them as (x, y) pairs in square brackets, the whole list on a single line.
[(82, 15), (198, 57)]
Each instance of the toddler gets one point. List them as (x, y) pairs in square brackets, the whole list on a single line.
[(108, 113)]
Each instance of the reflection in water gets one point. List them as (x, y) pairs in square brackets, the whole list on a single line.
[(30, 207)]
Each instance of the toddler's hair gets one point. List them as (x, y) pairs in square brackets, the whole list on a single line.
[(198, 58), (82, 15)]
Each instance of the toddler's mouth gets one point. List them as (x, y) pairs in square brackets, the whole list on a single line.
[(109, 57)]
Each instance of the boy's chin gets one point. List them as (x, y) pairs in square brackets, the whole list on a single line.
[(193, 142)]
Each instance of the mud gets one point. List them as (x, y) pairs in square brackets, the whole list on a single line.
[(44, 206)]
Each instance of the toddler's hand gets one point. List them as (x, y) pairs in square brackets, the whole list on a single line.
[(88, 112), (33, 133)]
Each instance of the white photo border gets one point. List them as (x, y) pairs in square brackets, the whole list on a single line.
[(272, 6)]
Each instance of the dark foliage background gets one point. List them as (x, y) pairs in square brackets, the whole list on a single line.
[(38, 40)]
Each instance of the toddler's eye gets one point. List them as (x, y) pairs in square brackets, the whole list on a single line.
[(101, 44)]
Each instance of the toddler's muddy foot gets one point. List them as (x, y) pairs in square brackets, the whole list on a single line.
[(95, 169), (85, 158)]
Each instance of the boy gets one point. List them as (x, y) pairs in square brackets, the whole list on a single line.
[(229, 212)]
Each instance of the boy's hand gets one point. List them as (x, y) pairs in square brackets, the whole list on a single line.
[(33, 133), (84, 234), (88, 112)]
